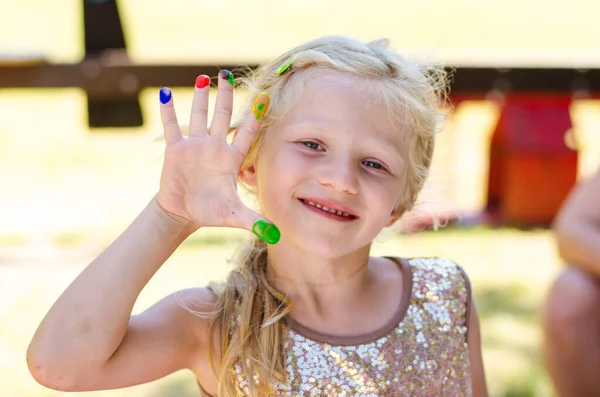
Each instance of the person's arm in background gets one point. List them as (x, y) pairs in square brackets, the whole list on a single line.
[(577, 227)]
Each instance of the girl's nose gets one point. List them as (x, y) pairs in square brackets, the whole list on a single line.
[(340, 176)]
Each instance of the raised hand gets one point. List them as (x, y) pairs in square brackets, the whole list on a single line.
[(198, 183)]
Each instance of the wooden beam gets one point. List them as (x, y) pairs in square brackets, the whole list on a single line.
[(109, 79)]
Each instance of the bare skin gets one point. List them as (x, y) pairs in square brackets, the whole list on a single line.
[(572, 312), (103, 347)]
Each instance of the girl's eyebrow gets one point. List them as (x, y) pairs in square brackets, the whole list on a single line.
[(316, 124)]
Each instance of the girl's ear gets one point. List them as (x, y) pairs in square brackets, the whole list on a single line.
[(392, 220), (248, 175), (394, 216)]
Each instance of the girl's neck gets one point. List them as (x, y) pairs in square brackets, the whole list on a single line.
[(315, 283)]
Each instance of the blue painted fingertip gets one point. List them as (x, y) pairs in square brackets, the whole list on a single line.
[(165, 95)]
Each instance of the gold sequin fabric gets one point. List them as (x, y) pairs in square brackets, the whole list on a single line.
[(426, 354)]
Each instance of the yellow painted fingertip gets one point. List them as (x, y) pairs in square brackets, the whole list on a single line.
[(261, 105)]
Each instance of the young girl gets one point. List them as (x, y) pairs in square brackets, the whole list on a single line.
[(336, 147)]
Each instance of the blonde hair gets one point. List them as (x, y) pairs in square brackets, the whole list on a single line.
[(248, 308)]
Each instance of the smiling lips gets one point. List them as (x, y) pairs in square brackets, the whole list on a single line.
[(329, 209)]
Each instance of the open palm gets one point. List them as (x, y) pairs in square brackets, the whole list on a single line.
[(199, 176)]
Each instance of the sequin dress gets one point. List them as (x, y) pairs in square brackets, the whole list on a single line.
[(422, 351)]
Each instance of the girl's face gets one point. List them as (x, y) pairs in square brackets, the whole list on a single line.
[(337, 148)]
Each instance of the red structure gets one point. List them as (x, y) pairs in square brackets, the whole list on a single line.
[(531, 167)]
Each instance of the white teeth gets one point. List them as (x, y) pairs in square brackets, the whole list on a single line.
[(327, 209)]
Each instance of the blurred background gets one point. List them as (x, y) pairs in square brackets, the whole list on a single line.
[(79, 157)]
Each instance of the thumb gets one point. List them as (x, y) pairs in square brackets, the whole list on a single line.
[(259, 225)]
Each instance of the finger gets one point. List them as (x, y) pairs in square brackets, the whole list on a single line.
[(259, 225), (199, 115), (224, 105), (246, 135), (168, 116)]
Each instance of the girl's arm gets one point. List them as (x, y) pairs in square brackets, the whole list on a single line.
[(577, 227), (87, 340), (475, 358)]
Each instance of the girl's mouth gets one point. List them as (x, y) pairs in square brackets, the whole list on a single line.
[(326, 212)]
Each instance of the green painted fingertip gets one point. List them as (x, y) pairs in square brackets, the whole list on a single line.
[(267, 232), (227, 75)]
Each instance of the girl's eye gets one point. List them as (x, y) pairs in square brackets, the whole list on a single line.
[(373, 164), (311, 145)]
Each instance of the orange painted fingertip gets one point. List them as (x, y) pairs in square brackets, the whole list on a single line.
[(261, 105)]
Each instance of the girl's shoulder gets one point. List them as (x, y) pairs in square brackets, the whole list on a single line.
[(439, 270), (443, 283), (436, 265), (437, 274), (196, 307), (437, 281)]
